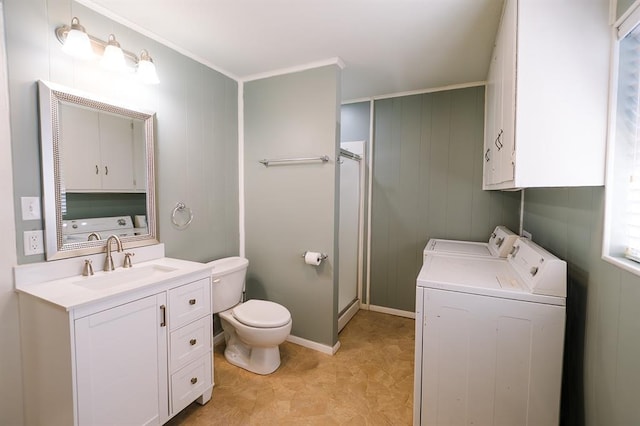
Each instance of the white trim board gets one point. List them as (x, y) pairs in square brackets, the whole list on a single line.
[(297, 68), (391, 311), (325, 349), (219, 339), (417, 92)]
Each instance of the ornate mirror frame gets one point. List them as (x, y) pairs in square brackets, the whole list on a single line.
[(50, 97)]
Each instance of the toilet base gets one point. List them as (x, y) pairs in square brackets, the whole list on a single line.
[(257, 360)]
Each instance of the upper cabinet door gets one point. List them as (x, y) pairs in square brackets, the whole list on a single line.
[(552, 113)]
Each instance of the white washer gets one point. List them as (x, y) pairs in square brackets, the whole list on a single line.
[(499, 245), (78, 230), (489, 339)]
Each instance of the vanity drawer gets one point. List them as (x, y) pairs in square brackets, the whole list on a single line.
[(190, 342), (190, 382), (189, 302)]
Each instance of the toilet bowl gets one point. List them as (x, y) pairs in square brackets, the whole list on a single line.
[(253, 330)]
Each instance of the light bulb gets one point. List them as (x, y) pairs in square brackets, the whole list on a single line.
[(113, 57), (147, 69), (77, 43)]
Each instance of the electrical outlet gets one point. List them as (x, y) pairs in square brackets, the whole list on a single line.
[(30, 208), (33, 242), (527, 235)]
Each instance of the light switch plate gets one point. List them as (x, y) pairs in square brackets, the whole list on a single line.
[(30, 208)]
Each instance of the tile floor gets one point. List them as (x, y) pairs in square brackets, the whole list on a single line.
[(369, 381)]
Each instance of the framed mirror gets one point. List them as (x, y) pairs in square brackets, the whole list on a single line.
[(97, 172)]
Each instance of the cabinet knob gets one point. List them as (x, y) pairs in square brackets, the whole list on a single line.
[(193, 342), (194, 380), (192, 301)]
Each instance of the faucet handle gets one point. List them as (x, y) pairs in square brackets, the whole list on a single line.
[(127, 260), (88, 268)]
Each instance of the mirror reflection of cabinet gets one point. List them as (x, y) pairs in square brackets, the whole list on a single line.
[(101, 151)]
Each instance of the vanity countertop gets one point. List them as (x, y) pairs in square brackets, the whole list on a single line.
[(77, 291)]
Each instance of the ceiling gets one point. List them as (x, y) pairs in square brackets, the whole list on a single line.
[(387, 46)]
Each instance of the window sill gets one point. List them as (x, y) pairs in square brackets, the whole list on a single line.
[(624, 263)]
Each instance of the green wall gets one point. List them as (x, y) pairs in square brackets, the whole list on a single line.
[(427, 183), (293, 208), (602, 344), (197, 142)]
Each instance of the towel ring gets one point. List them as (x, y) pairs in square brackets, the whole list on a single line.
[(179, 208)]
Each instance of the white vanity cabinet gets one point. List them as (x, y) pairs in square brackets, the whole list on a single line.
[(133, 358), (121, 363), (97, 151), (547, 95)]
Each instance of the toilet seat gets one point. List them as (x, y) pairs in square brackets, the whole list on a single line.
[(261, 314)]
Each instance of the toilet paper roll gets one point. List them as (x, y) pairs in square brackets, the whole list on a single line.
[(312, 258)]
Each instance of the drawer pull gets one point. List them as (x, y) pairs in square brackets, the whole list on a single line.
[(192, 301), (194, 380), (193, 342)]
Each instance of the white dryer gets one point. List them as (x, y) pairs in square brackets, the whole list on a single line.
[(490, 338), (499, 245)]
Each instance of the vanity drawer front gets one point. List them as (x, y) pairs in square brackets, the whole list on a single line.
[(190, 342), (189, 302), (190, 382)]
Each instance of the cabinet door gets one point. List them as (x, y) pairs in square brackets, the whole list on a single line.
[(121, 364), (506, 140), (490, 121), (79, 148), (116, 152)]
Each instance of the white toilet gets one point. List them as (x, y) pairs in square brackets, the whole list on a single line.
[(253, 329)]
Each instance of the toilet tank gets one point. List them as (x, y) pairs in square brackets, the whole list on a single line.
[(227, 282)]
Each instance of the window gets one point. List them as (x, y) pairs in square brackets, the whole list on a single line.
[(622, 215)]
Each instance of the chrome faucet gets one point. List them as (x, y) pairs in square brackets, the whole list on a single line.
[(108, 261)]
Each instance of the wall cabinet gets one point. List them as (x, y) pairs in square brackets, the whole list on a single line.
[(547, 95), (100, 151), (133, 359)]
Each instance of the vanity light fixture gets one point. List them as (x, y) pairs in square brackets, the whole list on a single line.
[(113, 56)]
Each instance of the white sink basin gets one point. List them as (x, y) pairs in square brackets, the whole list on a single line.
[(122, 276)]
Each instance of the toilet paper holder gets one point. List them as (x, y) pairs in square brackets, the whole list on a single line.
[(323, 256)]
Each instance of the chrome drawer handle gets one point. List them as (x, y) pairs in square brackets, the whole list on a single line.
[(194, 380), (192, 301), (193, 342)]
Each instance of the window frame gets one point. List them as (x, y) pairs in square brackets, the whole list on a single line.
[(624, 26)]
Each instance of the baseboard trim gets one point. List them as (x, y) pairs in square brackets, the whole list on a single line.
[(391, 311), (218, 338), (348, 314), (325, 349)]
